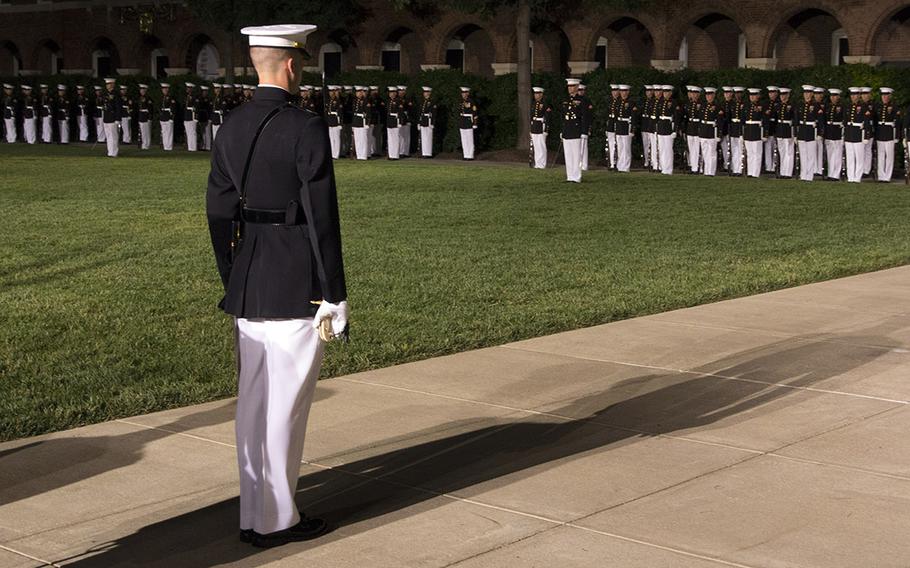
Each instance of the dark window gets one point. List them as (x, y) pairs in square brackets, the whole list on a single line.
[(161, 63), (391, 61), (455, 58), (844, 50), (331, 64), (104, 66), (600, 56)]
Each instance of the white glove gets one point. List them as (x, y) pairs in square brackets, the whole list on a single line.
[(866, 141), (338, 313), (584, 136)]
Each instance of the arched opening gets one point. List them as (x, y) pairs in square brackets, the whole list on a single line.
[(48, 58), (714, 41), (332, 53), (105, 59), (626, 42), (471, 50), (892, 40), (401, 51), (153, 53), (810, 37), (10, 59), (202, 57), (553, 50)]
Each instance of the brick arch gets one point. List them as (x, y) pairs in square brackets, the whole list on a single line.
[(622, 51), (680, 27), (46, 44), (713, 40), (880, 23), (481, 65), (547, 53), (413, 54), (777, 26), (588, 46), (8, 51), (99, 41)]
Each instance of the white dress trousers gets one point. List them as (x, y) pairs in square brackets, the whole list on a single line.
[(726, 149), (736, 155), (754, 154), (393, 140), (30, 129), (770, 143), (856, 152), (335, 141), (63, 127), (467, 143), (808, 152), (540, 150), (278, 365), (655, 151), (83, 127), (646, 148), (112, 137), (207, 135), (665, 147), (785, 153), (623, 152), (362, 142), (819, 155), (611, 150), (708, 149), (10, 126), (405, 146), (127, 131), (867, 159), (192, 135), (885, 161), (145, 133), (426, 141), (47, 131), (835, 150), (694, 145), (572, 152), (99, 130), (167, 134), (584, 153)]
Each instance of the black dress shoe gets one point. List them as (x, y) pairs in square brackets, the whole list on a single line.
[(247, 535), (306, 529)]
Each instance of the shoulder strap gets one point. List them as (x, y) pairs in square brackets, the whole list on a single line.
[(249, 156)]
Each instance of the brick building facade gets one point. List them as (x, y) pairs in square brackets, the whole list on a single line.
[(100, 37)]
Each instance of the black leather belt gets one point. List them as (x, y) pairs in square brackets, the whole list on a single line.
[(267, 217)]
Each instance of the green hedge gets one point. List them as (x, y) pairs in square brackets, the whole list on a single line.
[(497, 98)]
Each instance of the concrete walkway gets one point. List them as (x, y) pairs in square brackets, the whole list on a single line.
[(768, 431)]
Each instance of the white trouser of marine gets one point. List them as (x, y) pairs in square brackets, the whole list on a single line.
[(63, 127), (393, 140), (611, 149), (112, 138), (867, 159), (127, 131), (808, 156), (736, 155), (99, 129), (10, 126), (145, 134), (819, 155), (278, 367), (584, 153), (855, 152), (835, 151), (694, 145), (885, 161), (30, 130), (785, 149), (754, 155), (571, 148), (665, 150), (207, 135), (467, 143), (167, 134), (623, 152), (46, 130), (192, 135), (708, 149), (646, 148), (362, 142), (83, 127), (540, 150), (404, 147), (726, 150), (426, 141), (335, 140), (769, 146)]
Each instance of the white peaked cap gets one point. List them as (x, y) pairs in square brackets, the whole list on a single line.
[(623, 87), (855, 90), (7, 86), (773, 88), (726, 89), (613, 86), (427, 89), (333, 87), (238, 85), (247, 87), (122, 86), (306, 87), (667, 88), (204, 87), (143, 86), (80, 87), (834, 91), (738, 89), (216, 84), (190, 85), (465, 89), (110, 80), (808, 87), (582, 86), (754, 91), (818, 90), (165, 85), (96, 87), (374, 87), (393, 88), (279, 35), (866, 89), (571, 81), (302, 87), (28, 87), (359, 88), (649, 87), (784, 90), (886, 90), (61, 87), (537, 89), (710, 90), (317, 88), (402, 87), (43, 85)]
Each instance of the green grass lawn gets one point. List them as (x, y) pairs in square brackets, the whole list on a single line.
[(108, 286)]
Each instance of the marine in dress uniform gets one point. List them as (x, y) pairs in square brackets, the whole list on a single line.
[(819, 97), (110, 116), (404, 130), (611, 129), (361, 111), (10, 107), (377, 124), (585, 101), (190, 118), (29, 116), (143, 108), (626, 116), (783, 120), (772, 158), (692, 120), (727, 104), (333, 115), (167, 111), (806, 118), (288, 260), (540, 124), (888, 128), (98, 114), (219, 107), (467, 123), (647, 126), (710, 124), (62, 110), (347, 114), (858, 132), (426, 122), (576, 123), (205, 117), (668, 117), (755, 124), (735, 131), (126, 115), (45, 114), (866, 99), (392, 120), (82, 110), (834, 135)]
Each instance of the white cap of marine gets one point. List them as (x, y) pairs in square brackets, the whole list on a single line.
[(279, 35)]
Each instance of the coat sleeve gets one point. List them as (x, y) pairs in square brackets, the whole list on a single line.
[(316, 172), (222, 204)]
